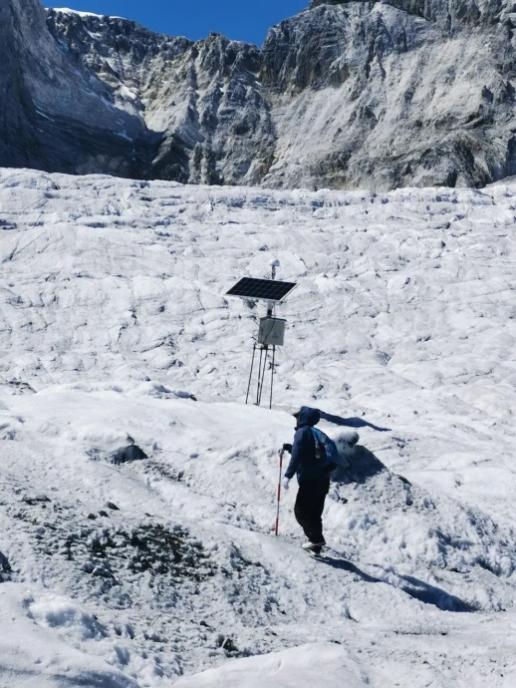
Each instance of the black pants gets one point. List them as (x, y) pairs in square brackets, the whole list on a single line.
[(310, 506)]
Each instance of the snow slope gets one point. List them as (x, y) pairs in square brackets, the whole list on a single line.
[(115, 333)]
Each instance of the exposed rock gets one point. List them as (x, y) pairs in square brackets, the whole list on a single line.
[(380, 97), (449, 15), (5, 569), (202, 101), (33, 500), (128, 454), (345, 94), (55, 114)]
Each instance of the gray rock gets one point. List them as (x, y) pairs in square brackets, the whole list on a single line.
[(57, 115), (384, 97), (5, 569), (128, 454), (344, 95), (202, 102)]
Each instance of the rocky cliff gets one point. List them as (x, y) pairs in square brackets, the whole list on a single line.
[(55, 113), (203, 101), (392, 93), (345, 94)]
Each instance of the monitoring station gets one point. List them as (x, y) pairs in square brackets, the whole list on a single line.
[(271, 332)]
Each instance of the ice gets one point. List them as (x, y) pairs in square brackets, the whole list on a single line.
[(33, 654), (302, 665), (57, 612), (115, 333)]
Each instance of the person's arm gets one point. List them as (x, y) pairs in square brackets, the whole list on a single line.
[(301, 446)]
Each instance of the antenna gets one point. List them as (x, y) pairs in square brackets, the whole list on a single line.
[(271, 332)]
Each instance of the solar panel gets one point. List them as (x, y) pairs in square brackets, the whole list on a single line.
[(262, 289)]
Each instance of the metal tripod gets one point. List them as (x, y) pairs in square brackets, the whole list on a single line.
[(265, 354)]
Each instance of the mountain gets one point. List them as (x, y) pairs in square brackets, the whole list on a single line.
[(344, 95), (55, 113), (383, 96), (202, 102)]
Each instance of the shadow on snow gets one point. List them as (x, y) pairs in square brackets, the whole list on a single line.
[(418, 589)]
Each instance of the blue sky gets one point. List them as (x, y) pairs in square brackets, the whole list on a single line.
[(246, 20)]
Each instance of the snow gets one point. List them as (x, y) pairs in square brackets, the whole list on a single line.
[(33, 653), (67, 10), (115, 331), (289, 669)]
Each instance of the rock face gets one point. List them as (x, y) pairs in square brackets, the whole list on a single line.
[(56, 114), (345, 94), (386, 96), (202, 102)]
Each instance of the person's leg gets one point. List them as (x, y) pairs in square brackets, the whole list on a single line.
[(302, 509), (309, 508), (319, 498)]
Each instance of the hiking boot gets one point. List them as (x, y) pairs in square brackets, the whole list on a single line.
[(314, 547)]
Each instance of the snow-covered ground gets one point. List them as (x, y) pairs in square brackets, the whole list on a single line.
[(115, 334)]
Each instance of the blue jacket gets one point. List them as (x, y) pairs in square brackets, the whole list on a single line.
[(303, 461)]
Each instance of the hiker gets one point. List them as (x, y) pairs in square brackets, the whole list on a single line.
[(313, 470)]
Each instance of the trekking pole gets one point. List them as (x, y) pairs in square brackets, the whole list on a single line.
[(276, 530)]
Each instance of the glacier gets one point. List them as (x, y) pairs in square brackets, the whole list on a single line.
[(115, 331)]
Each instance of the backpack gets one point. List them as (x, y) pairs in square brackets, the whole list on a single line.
[(326, 451)]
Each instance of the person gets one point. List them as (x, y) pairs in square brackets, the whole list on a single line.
[(313, 476)]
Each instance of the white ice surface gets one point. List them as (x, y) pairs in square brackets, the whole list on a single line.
[(67, 10), (113, 315), (302, 665)]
